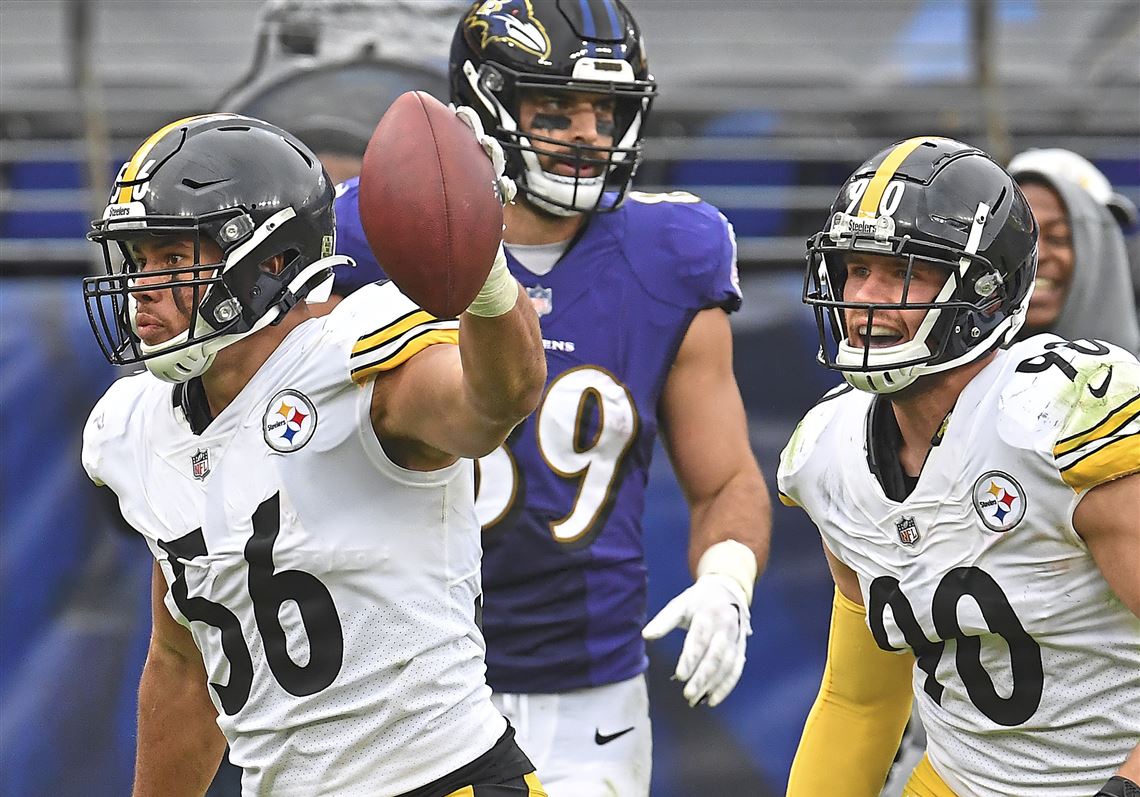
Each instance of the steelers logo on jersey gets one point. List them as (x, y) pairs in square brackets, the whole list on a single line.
[(999, 500), (289, 421)]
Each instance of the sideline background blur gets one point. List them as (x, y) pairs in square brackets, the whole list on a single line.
[(765, 107)]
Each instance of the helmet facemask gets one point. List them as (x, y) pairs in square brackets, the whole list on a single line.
[(961, 322), (227, 301), (499, 91)]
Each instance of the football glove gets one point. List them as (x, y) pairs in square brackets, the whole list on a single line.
[(715, 611), (494, 150)]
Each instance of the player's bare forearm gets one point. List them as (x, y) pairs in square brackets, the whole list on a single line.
[(179, 742), (706, 433), (740, 510), (504, 368)]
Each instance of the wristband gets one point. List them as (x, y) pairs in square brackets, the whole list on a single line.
[(499, 293), (1119, 786), (733, 559)]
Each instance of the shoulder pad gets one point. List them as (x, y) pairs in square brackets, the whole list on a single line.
[(805, 438), (384, 329), (108, 423), (1087, 397), (682, 249)]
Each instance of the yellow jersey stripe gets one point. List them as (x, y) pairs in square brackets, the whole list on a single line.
[(786, 500), (869, 207), (925, 782), (412, 346), (139, 158), (1118, 458), (1102, 428), (392, 331), (466, 791), (535, 787)]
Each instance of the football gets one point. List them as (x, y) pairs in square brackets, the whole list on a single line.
[(429, 205)]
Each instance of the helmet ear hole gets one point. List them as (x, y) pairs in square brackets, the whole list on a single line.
[(277, 263)]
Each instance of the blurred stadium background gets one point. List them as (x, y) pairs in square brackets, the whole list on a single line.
[(765, 106)]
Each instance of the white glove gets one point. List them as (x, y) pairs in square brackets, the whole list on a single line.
[(494, 150), (715, 610)]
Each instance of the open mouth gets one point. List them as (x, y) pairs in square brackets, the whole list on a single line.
[(878, 336)]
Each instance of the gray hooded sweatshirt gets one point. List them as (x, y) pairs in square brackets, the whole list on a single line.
[(1100, 303)]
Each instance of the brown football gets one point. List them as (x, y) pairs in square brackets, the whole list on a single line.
[(428, 204)]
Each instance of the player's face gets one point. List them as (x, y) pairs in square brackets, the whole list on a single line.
[(877, 279), (1055, 257), (573, 117), (163, 309)]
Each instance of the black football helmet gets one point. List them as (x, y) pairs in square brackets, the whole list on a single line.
[(249, 187), (945, 203), (504, 47)]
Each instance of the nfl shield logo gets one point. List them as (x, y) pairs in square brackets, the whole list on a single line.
[(908, 531), (200, 462), (542, 299)]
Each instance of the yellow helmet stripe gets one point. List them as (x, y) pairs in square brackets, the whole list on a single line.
[(869, 207), (139, 158)]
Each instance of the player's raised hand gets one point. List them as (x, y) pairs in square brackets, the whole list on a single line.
[(494, 150), (715, 611)]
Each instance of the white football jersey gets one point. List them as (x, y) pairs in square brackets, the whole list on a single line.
[(332, 593), (1027, 670)]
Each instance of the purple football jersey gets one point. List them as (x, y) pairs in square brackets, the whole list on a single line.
[(564, 577)]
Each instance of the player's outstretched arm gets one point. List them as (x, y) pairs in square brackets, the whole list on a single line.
[(179, 743), (706, 434), (449, 401), (864, 700)]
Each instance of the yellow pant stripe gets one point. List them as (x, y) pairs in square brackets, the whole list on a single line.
[(466, 791), (925, 782), (536, 788)]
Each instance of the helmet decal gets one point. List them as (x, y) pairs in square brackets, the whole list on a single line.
[(875, 199), (131, 181), (512, 22), (944, 204)]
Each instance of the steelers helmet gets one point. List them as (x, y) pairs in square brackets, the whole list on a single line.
[(253, 190), (503, 48), (944, 203)]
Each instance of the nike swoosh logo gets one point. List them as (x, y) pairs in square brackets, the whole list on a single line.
[(600, 739), (1100, 391)]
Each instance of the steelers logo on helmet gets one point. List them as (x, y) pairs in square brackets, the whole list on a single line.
[(999, 501), (289, 421)]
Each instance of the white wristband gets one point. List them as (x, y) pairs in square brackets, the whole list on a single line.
[(733, 559), (499, 293)]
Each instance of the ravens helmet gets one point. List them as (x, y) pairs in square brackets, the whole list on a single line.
[(505, 47), (945, 203), (253, 190)]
